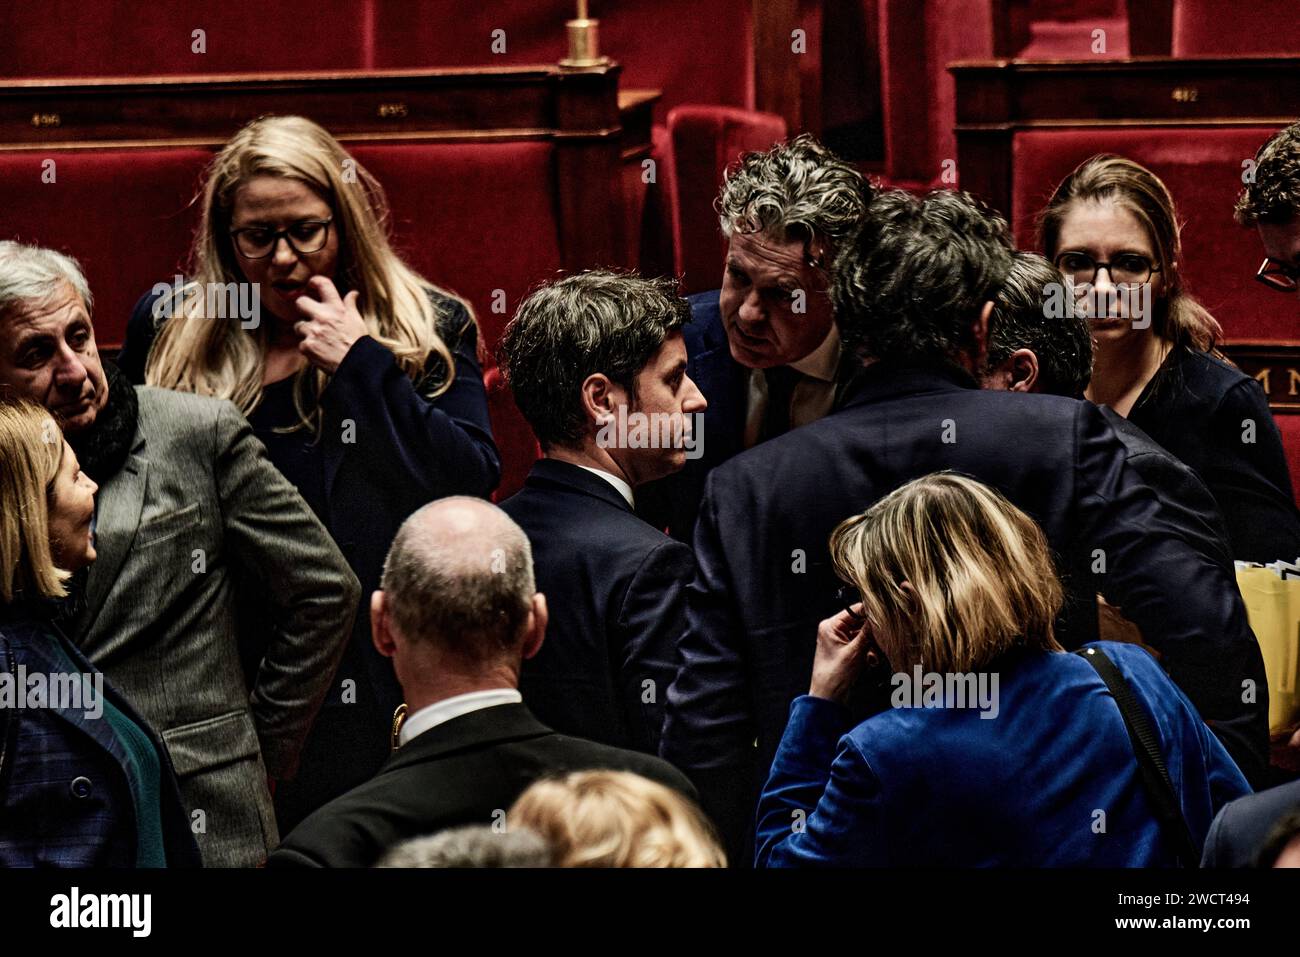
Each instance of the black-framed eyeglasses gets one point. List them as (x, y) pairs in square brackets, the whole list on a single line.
[(1126, 269), (304, 237), (1279, 276)]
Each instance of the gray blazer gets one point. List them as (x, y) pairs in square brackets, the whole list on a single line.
[(196, 503)]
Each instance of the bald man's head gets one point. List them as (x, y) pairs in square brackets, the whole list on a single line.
[(460, 574)]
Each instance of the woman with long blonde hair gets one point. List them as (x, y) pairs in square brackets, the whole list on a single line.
[(1111, 228), (361, 377), (998, 748)]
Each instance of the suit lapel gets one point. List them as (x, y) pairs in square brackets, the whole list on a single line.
[(117, 516), (97, 729)]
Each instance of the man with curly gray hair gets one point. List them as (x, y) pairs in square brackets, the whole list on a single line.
[(1271, 203), (764, 349)]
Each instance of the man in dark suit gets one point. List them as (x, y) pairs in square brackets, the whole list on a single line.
[(913, 295), (583, 356), (764, 349), (458, 614), (187, 501)]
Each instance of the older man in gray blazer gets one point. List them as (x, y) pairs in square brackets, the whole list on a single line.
[(190, 517)]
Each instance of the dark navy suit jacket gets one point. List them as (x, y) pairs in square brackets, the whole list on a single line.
[(616, 591), (1216, 419), (764, 578), (1188, 503), (461, 772), (1240, 829), (65, 799), (946, 787)]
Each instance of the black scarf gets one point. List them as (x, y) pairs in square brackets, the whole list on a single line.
[(102, 449)]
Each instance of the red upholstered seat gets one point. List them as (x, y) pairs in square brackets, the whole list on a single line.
[(1233, 28), (479, 220), (918, 98), (705, 140), (124, 214), (1202, 168)]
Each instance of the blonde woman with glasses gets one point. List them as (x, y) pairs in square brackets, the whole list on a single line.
[(84, 781), (998, 747), (361, 378)]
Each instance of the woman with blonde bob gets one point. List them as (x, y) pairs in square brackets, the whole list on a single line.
[(84, 781), (998, 748), (616, 819), (360, 377), (1111, 229)]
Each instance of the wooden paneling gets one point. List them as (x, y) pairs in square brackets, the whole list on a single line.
[(1276, 366), (997, 98)]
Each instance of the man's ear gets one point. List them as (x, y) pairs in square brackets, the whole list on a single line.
[(979, 337), (598, 399), (1024, 370), (380, 631), (535, 627)]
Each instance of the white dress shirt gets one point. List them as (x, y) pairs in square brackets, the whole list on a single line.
[(814, 395), (623, 488), (432, 715)]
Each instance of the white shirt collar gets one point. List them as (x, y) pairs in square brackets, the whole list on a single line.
[(623, 488), (430, 716), (824, 361)]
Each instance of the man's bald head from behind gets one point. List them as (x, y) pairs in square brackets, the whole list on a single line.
[(457, 600)]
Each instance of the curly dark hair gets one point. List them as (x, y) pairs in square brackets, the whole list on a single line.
[(796, 188), (1274, 196), (907, 287), (574, 327), (1020, 320)]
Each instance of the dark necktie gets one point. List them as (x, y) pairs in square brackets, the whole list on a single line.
[(781, 382)]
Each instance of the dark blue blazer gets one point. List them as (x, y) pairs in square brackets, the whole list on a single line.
[(764, 578), (616, 591), (401, 451), (1190, 507), (65, 799), (1216, 419), (1240, 829), (947, 787)]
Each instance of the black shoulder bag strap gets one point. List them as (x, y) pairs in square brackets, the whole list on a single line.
[(8, 722), (1146, 747)]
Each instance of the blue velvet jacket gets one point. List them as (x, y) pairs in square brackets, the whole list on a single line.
[(1049, 779)]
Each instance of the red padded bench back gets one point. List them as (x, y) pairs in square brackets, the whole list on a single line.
[(1233, 28), (477, 219), (124, 214), (704, 142), (128, 38), (1202, 168)]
